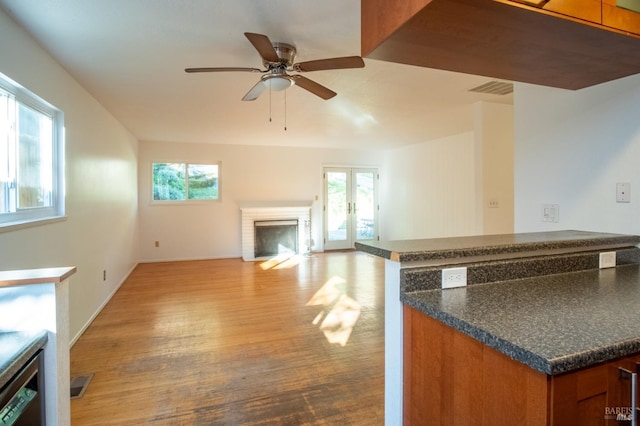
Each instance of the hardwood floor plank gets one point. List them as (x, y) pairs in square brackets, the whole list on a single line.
[(226, 342)]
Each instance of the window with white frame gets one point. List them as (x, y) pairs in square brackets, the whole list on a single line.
[(185, 181), (31, 169)]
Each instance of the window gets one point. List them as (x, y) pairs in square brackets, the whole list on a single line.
[(184, 181), (31, 169)]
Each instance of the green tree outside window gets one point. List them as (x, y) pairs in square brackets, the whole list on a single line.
[(182, 181)]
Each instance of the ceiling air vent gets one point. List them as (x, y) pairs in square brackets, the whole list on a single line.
[(494, 88)]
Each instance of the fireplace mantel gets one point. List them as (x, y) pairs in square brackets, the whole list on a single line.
[(272, 210), (250, 205)]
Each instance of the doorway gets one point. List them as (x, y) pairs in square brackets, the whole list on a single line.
[(350, 212)]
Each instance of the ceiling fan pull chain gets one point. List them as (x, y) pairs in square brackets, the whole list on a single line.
[(285, 110), (269, 103)]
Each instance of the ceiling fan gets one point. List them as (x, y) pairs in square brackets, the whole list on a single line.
[(278, 58)]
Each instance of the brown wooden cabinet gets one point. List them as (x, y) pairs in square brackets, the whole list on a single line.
[(603, 12), (587, 10), (452, 379), (619, 18), (503, 39)]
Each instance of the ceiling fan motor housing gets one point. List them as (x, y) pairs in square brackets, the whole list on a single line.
[(286, 53)]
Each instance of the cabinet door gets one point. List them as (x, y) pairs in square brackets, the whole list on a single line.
[(580, 397), (619, 18), (588, 10), (591, 396)]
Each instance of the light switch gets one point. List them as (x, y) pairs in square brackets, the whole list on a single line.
[(623, 192), (551, 213)]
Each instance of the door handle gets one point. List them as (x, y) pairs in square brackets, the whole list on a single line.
[(625, 374), (348, 208), (634, 393)]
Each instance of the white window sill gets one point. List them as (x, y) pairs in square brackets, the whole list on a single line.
[(15, 226)]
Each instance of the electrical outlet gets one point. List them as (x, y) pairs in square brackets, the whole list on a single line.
[(608, 259), (454, 277)]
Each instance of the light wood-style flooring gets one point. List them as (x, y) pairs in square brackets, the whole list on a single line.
[(228, 342)]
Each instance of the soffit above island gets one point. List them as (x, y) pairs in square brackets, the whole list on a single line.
[(500, 39)]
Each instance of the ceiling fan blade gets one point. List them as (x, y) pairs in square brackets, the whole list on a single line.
[(313, 87), (264, 46), (223, 69), (255, 91), (330, 64)]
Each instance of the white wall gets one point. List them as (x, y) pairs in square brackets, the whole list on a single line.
[(248, 173), (442, 188), (100, 232), (493, 128), (429, 191), (571, 148), (426, 190)]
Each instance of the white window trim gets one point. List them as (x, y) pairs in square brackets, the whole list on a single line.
[(55, 213)]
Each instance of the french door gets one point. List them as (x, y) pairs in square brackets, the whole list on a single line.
[(351, 206)]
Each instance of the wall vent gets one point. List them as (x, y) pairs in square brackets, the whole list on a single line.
[(494, 88)]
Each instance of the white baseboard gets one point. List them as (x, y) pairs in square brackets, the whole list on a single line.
[(186, 259), (100, 308)]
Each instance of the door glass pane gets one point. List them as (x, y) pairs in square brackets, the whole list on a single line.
[(336, 206), (365, 205)]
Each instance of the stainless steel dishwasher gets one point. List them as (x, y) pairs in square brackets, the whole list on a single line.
[(22, 398)]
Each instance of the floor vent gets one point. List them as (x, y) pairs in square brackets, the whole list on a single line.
[(79, 385), (494, 88)]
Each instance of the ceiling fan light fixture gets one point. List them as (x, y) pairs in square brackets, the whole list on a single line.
[(277, 82)]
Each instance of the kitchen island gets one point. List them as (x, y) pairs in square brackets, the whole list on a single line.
[(537, 311), (33, 300)]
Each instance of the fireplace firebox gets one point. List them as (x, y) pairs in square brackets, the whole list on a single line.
[(274, 237)]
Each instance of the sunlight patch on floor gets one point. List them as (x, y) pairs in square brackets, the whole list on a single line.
[(282, 261), (340, 312)]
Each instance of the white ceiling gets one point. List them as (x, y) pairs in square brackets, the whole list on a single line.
[(131, 55)]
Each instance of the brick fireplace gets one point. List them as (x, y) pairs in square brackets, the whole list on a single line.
[(282, 216)]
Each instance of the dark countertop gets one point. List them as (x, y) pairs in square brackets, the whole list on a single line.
[(493, 245), (553, 323), (16, 348)]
